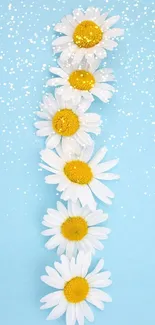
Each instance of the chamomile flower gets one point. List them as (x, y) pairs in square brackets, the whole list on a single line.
[(77, 176), (74, 228), (87, 35), (66, 122), (75, 288), (82, 81)]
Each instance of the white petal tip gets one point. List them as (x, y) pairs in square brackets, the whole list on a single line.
[(42, 152)]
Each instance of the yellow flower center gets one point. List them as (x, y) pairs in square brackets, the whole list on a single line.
[(87, 34), (76, 290), (75, 228), (65, 122), (82, 80), (78, 172)]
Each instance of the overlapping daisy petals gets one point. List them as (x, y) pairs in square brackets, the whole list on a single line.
[(74, 190), (89, 241), (64, 272), (70, 50), (101, 88)]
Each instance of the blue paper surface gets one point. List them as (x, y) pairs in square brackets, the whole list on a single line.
[(128, 132)]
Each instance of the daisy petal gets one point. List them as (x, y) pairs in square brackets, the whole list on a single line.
[(64, 29), (63, 271), (102, 19), (66, 54), (111, 21), (97, 303), (91, 118), (52, 273), (52, 179), (70, 249), (61, 40), (42, 124), (79, 314), (58, 72), (54, 242), (78, 57), (78, 15), (96, 217), (52, 282), (50, 169), (87, 95), (97, 268), (95, 65), (86, 153), (59, 310), (53, 141), (98, 157), (107, 176), (50, 232), (61, 248), (101, 191), (43, 115), (87, 311), (76, 208), (62, 209), (86, 265), (100, 53), (43, 132), (101, 295), (92, 13), (102, 284), (54, 297), (50, 158), (109, 44), (86, 197), (70, 314), (104, 96), (56, 82), (95, 242), (114, 32), (97, 231), (65, 264), (101, 168), (84, 105)]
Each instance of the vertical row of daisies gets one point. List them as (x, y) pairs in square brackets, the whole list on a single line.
[(76, 227)]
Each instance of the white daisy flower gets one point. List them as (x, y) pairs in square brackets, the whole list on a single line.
[(74, 229), (82, 81), (87, 35), (77, 176), (75, 288), (66, 122)]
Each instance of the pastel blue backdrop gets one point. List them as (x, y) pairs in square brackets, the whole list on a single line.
[(128, 131)]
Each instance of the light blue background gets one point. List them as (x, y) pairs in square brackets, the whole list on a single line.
[(128, 132)]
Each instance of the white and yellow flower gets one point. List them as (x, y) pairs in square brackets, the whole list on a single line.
[(76, 81), (66, 122), (74, 229), (75, 288), (77, 176), (87, 35)]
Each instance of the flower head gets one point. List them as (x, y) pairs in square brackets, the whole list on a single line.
[(82, 81), (75, 288), (66, 122), (78, 175), (87, 35), (75, 228)]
